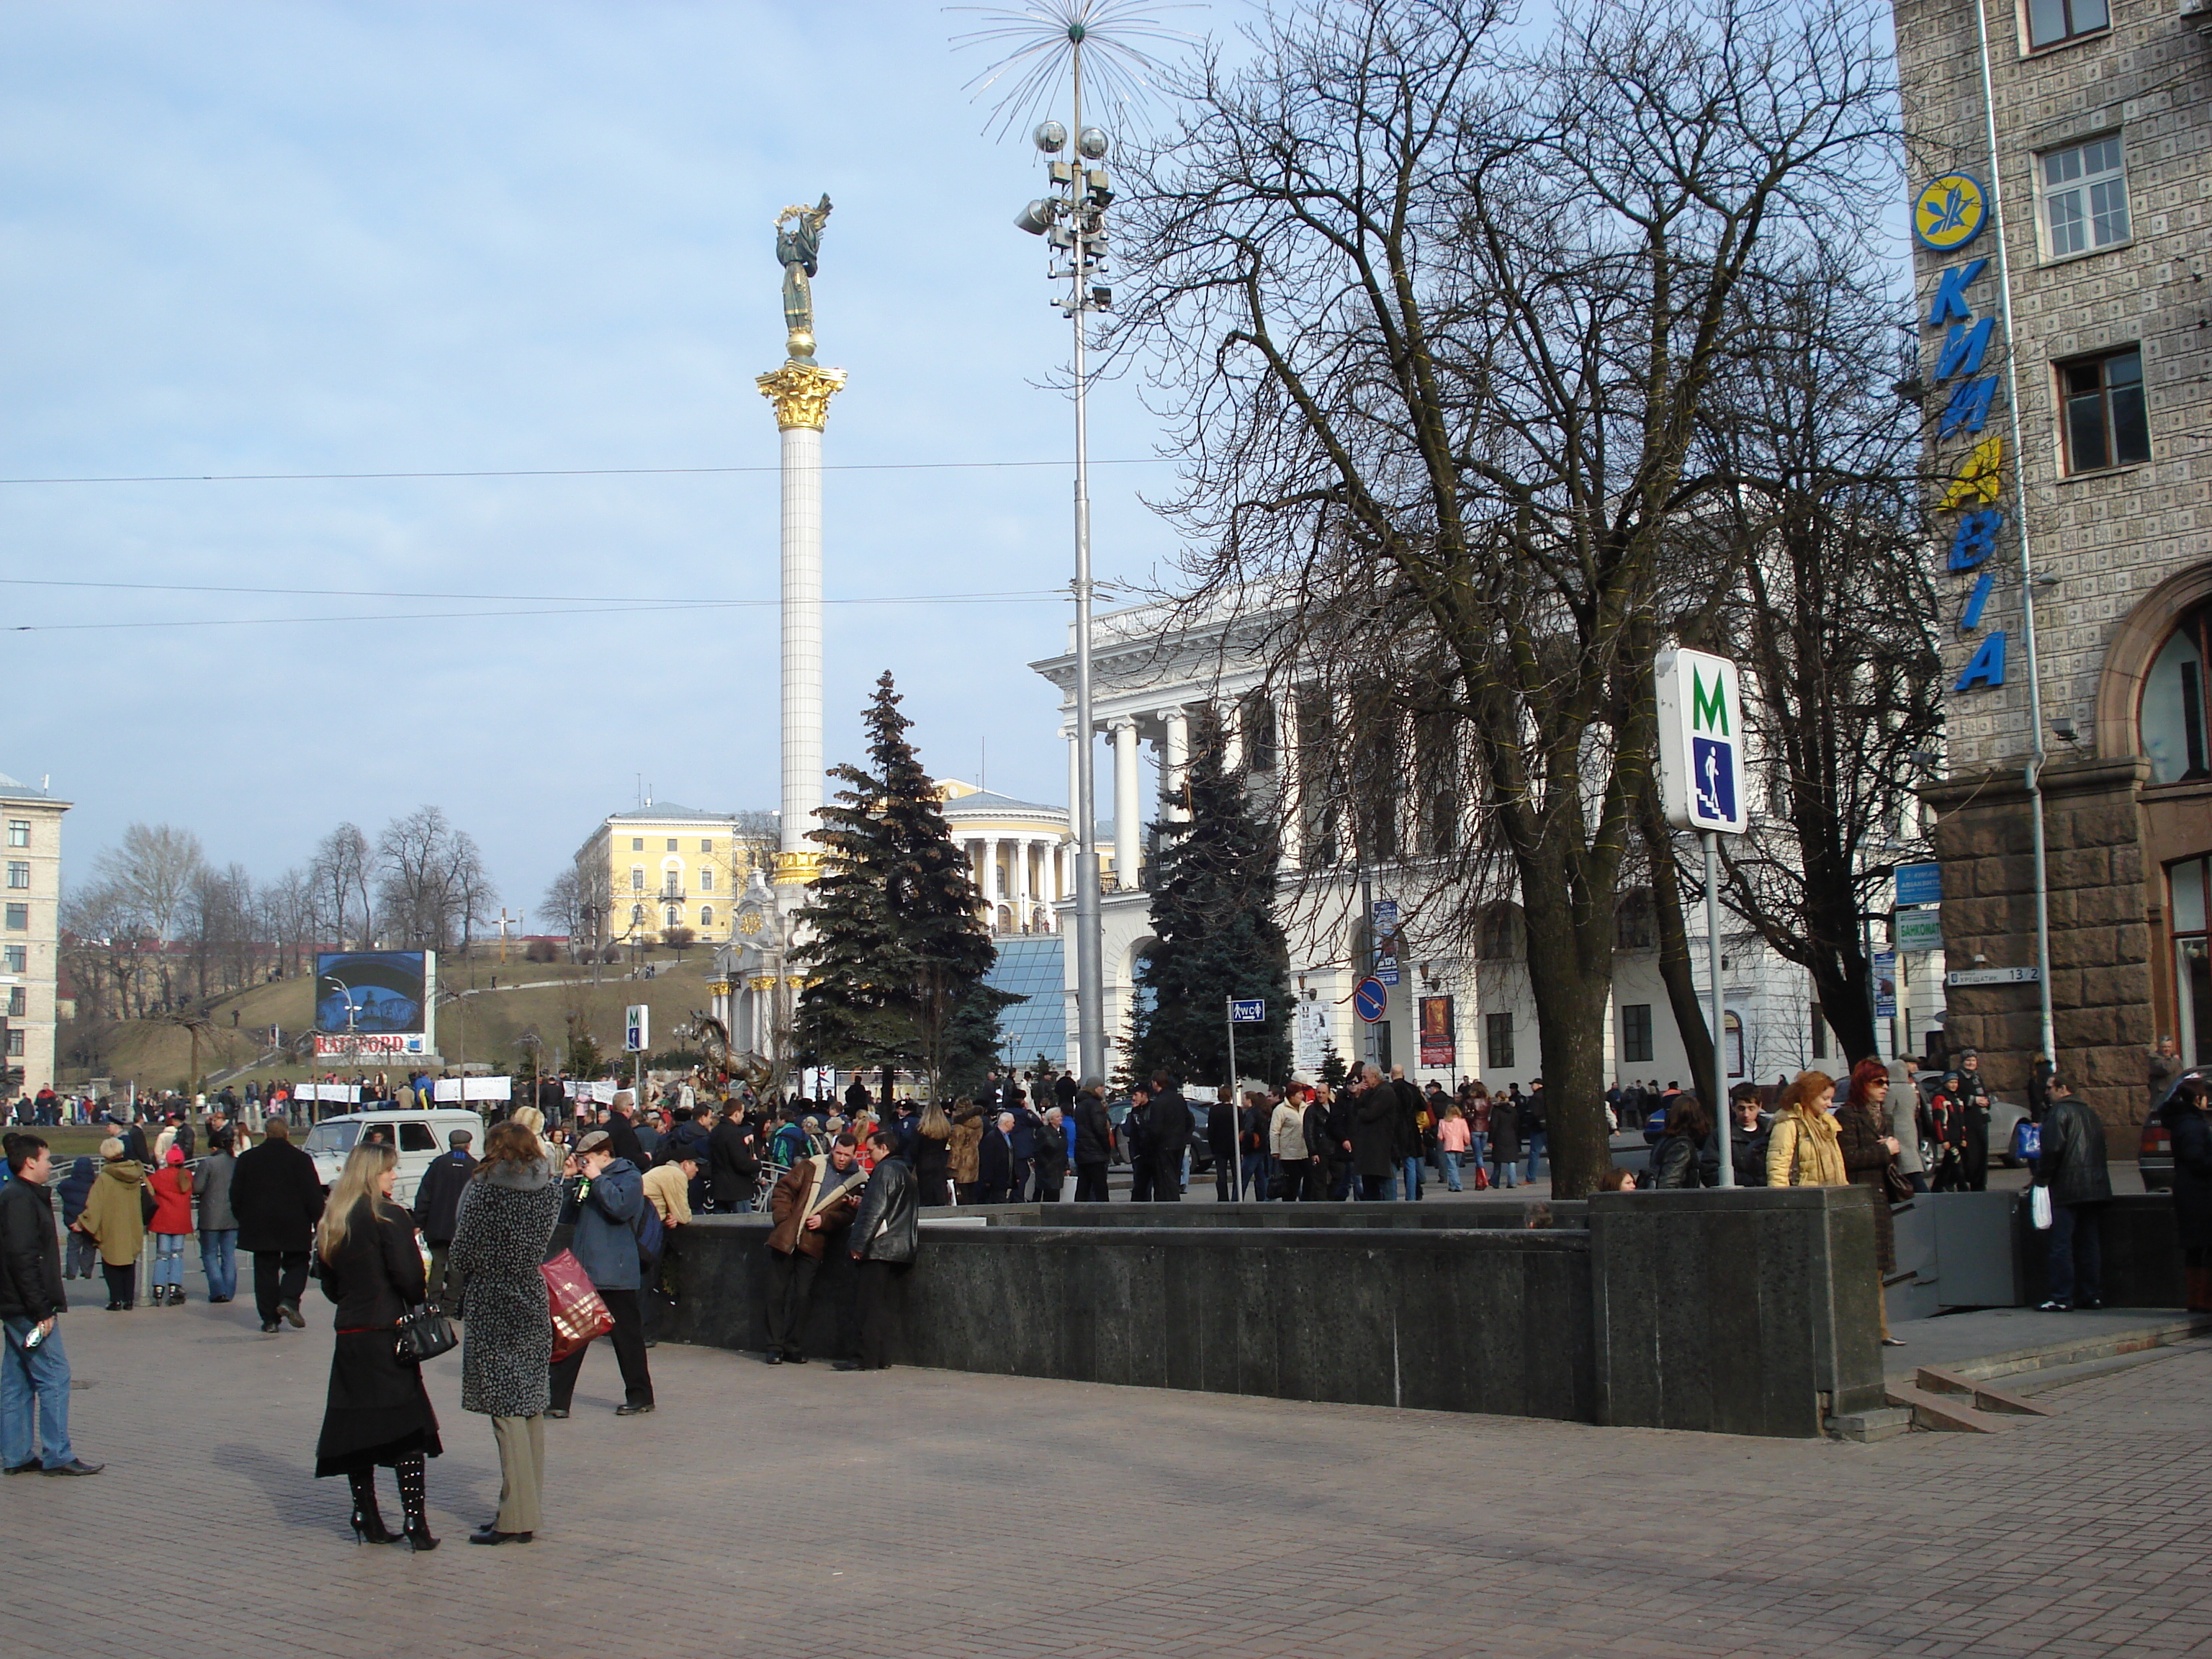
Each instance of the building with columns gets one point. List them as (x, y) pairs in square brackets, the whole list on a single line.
[(1022, 853), (1452, 1013)]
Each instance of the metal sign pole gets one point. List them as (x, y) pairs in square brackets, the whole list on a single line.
[(1723, 1131), (1237, 1161)]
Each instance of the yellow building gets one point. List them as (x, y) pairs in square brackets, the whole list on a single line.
[(663, 866)]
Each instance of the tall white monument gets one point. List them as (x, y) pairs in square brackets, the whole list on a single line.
[(801, 393)]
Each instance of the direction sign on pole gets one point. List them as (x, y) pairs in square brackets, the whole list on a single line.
[(1919, 883), (635, 1020), (1701, 743), (1251, 1012), (1370, 999)]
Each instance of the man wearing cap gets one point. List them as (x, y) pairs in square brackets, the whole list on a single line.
[(437, 1203), (813, 1204), (1974, 1101), (277, 1198), (608, 1195)]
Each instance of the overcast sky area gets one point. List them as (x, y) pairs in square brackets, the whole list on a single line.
[(302, 238)]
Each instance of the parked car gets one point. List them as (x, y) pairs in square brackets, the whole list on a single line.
[(2155, 1153), (419, 1135)]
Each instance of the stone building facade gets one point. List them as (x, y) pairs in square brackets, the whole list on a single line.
[(2103, 168)]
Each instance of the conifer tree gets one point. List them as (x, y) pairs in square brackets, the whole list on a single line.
[(895, 946), (1213, 921)]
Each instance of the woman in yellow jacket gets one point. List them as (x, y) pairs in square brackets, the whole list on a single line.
[(113, 1219), (1802, 1150)]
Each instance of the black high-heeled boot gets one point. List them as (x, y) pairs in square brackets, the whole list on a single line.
[(412, 1499), (368, 1526)]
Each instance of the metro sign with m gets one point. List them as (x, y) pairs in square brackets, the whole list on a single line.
[(1700, 741)]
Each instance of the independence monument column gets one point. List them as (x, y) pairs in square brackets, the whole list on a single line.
[(801, 393)]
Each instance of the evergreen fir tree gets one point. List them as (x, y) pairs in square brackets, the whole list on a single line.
[(1214, 920), (1334, 1070), (896, 947)]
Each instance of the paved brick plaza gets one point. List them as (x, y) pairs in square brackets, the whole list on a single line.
[(800, 1512)]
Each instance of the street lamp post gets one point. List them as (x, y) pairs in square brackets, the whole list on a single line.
[(1072, 220)]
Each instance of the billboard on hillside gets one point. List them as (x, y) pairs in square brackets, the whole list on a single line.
[(375, 1002)]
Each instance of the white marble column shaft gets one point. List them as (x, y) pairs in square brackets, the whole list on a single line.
[(802, 637)]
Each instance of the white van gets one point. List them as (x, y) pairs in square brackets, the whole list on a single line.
[(419, 1135)]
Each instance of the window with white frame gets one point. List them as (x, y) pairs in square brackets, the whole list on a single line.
[(17, 959), (19, 873), (18, 832), (2084, 189), (706, 877), (637, 878)]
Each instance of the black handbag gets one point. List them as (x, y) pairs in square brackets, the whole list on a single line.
[(424, 1333)]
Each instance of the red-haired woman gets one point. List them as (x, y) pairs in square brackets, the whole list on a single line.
[(1862, 1137)]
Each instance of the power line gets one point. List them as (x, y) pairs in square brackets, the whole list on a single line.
[(566, 472), (600, 608), (514, 598)]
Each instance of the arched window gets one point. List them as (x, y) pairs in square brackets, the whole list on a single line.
[(706, 915), (1732, 1027), (1635, 921), (637, 915), (674, 918), (2172, 720)]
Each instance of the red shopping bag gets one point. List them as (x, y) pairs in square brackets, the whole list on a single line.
[(579, 1314)]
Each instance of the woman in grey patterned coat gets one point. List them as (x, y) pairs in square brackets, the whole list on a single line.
[(506, 1220)]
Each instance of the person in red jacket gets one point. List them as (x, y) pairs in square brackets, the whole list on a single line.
[(172, 1187)]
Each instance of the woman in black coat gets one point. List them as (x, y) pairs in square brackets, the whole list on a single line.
[(2190, 1127), (932, 1155), (378, 1411), (1505, 1140)]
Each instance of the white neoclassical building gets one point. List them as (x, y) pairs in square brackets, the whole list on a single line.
[(1449, 1014)]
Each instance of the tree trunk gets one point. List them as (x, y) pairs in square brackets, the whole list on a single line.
[(1570, 986)]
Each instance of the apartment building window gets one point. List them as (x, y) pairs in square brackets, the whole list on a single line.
[(18, 918), (637, 915), (19, 873), (2106, 422), (637, 843), (18, 832), (706, 915), (675, 918), (2051, 22), (706, 843), (637, 878), (1497, 1041), (14, 1045), (2085, 197), (18, 958), (1635, 1030), (706, 877), (17, 1005), (671, 843), (1820, 1033)]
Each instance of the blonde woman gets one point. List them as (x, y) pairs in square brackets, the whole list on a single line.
[(1803, 1150), (378, 1411), (534, 1121)]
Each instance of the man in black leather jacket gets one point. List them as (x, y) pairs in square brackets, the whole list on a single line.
[(2072, 1165), (1170, 1133), (885, 1234)]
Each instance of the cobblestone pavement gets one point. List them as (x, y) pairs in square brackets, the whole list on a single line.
[(801, 1512)]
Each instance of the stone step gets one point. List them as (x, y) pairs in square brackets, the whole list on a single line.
[(2054, 1377), (1945, 1413), (1986, 1397), (1884, 1423)]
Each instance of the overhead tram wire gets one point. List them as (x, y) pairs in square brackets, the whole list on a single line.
[(590, 608), (566, 472)]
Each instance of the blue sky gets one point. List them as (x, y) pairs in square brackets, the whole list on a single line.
[(306, 238)]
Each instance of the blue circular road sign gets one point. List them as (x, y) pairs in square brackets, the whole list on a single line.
[(1370, 999)]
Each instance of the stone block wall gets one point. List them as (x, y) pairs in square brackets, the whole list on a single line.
[(2100, 932)]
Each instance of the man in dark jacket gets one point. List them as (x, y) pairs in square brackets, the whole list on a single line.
[(2072, 1165), (1221, 1142), (732, 1162), (437, 1203), (1747, 1135), (1412, 1148), (1170, 1134), (1974, 1099), (885, 1234), (622, 1131), (277, 1198), (1137, 1144), (35, 1379), (1374, 1135), (551, 1100), (1094, 1144), (1535, 1129)]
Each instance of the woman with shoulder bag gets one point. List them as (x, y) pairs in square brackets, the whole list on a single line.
[(492, 1270), (1870, 1155), (378, 1411)]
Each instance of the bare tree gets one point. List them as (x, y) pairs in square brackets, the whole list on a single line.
[(562, 905), (1438, 312), (153, 873), (433, 884), (340, 872)]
